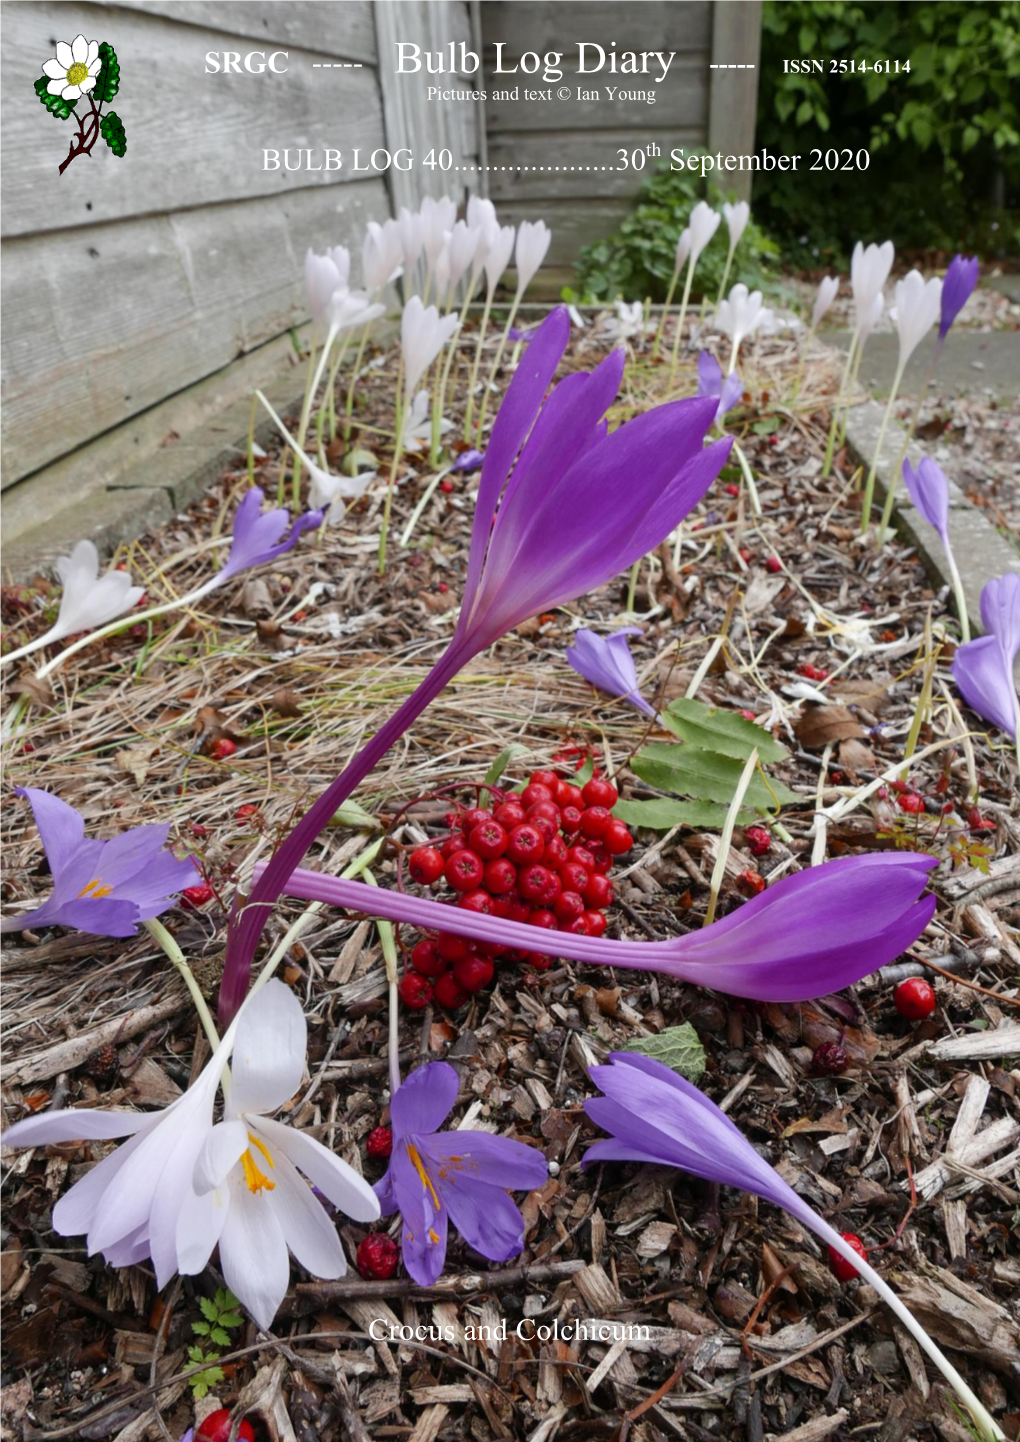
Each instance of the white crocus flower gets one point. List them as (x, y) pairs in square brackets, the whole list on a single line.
[(349, 308), (874, 315), (88, 600), (423, 333), (249, 1192), (437, 218), (737, 217), (412, 236), (828, 289), (481, 213), (382, 255), (417, 430), (461, 246), (75, 70), (441, 273), (869, 271), (533, 239), (918, 306), (501, 248), (324, 276), (740, 315), (628, 321), (704, 223), (330, 494), (683, 250)]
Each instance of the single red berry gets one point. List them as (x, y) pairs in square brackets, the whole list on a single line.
[(476, 816), (379, 1143), (415, 991), (747, 715), (568, 906), (570, 819), (599, 792), (216, 1428), (376, 1259), (914, 998), (446, 487), (548, 809), (426, 960), (569, 795), (617, 838), (223, 748), (479, 901), (582, 856), (425, 865), (555, 852), (977, 822), (193, 897), (517, 909), (912, 803), (499, 876), (830, 1059), (899, 786), (548, 779), (473, 973), (543, 918), (842, 1266), (532, 794), (533, 882), (752, 881), (539, 960), (746, 556), (450, 946), (595, 922), (552, 889), (598, 892), (773, 564), (243, 813), (449, 992), (509, 814), (759, 838), (197, 829), (525, 844), (488, 840), (451, 846), (594, 821), (451, 819), (574, 877), (732, 489), (601, 860), (545, 825), (442, 588), (577, 927), (464, 870)]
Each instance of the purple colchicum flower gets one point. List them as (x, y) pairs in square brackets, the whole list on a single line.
[(810, 934), (957, 289), (607, 663), (983, 669), (655, 1117), (260, 537), (929, 491), (727, 390), (463, 1177), (549, 462), (468, 461), (104, 888)]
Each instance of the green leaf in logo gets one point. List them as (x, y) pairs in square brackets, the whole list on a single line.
[(54, 104), (109, 76), (677, 1047), (112, 132)]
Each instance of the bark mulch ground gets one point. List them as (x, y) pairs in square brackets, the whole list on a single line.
[(914, 1147)]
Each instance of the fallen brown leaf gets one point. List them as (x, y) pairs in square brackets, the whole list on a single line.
[(820, 725)]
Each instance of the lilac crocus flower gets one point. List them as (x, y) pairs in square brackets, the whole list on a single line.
[(983, 669), (727, 390), (957, 289), (468, 462), (104, 888), (812, 933), (928, 488), (262, 536), (606, 662), (549, 462), (656, 1117), (463, 1177)]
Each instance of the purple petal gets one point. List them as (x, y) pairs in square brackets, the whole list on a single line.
[(468, 461), (1000, 611), (61, 827), (985, 681), (929, 491), (486, 1218), (482, 1157), (257, 536), (710, 376), (424, 1223), (607, 663), (424, 1101), (957, 288)]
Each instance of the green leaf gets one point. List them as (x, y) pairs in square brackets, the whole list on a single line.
[(108, 83), (220, 1337), (351, 814), (208, 1308), (112, 132), (689, 771), (662, 813), (678, 1047), (231, 1319), (502, 761), (60, 108), (201, 1329), (587, 771), (721, 731)]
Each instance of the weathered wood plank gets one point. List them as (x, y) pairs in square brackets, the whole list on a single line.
[(733, 94), (102, 324), (196, 144), (529, 25), (345, 31), (594, 153), (680, 101)]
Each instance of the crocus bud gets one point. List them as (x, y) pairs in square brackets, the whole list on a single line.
[(481, 213), (961, 278), (828, 289), (533, 239), (462, 244), (869, 271), (917, 308), (497, 258), (683, 249), (737, 217), (322, 278), (423, 333), (703, 225), (412, 236)]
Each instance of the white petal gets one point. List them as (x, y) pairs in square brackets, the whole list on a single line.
[(200, 1223), (89, 83), (55, 70), (71, 92), (129, 1250), (222, 1150), (253, 1252), (333, 1177), (64, 56), (69, 1125), (80, 49), (75, 1212), (55, 87), (93, 55), (269, 1052), (308, 1231)]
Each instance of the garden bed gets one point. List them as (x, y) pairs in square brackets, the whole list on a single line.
[(750, 1332)]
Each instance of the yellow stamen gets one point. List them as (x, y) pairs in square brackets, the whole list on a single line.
[(77, 74), (95, 890), (426, 1180), (432, 1237), (257, 1181)]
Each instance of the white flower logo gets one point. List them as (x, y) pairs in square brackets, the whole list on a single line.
[(75, 69)]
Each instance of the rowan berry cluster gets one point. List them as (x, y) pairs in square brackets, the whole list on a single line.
[(540, 856)]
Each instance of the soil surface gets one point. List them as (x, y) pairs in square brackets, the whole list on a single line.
[(914, 1146)]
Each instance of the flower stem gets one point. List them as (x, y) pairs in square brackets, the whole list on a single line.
[(173, 952), (306, 411), (349, 403), (830, 444), (680, 321), (748, 474), (725, 275), (632, 587), (665, 312), (960, 598), (439, 400), (719, 870), (398, 447), (800, 366), (469, 410), (495, 365), (869, 485)]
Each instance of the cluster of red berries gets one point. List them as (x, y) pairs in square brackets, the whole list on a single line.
[(539, 857), (813, 673)]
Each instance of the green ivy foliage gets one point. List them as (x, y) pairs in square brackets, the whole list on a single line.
[(944, 138), (108, 82), (112, 131), (54, 104), (636, 261)]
